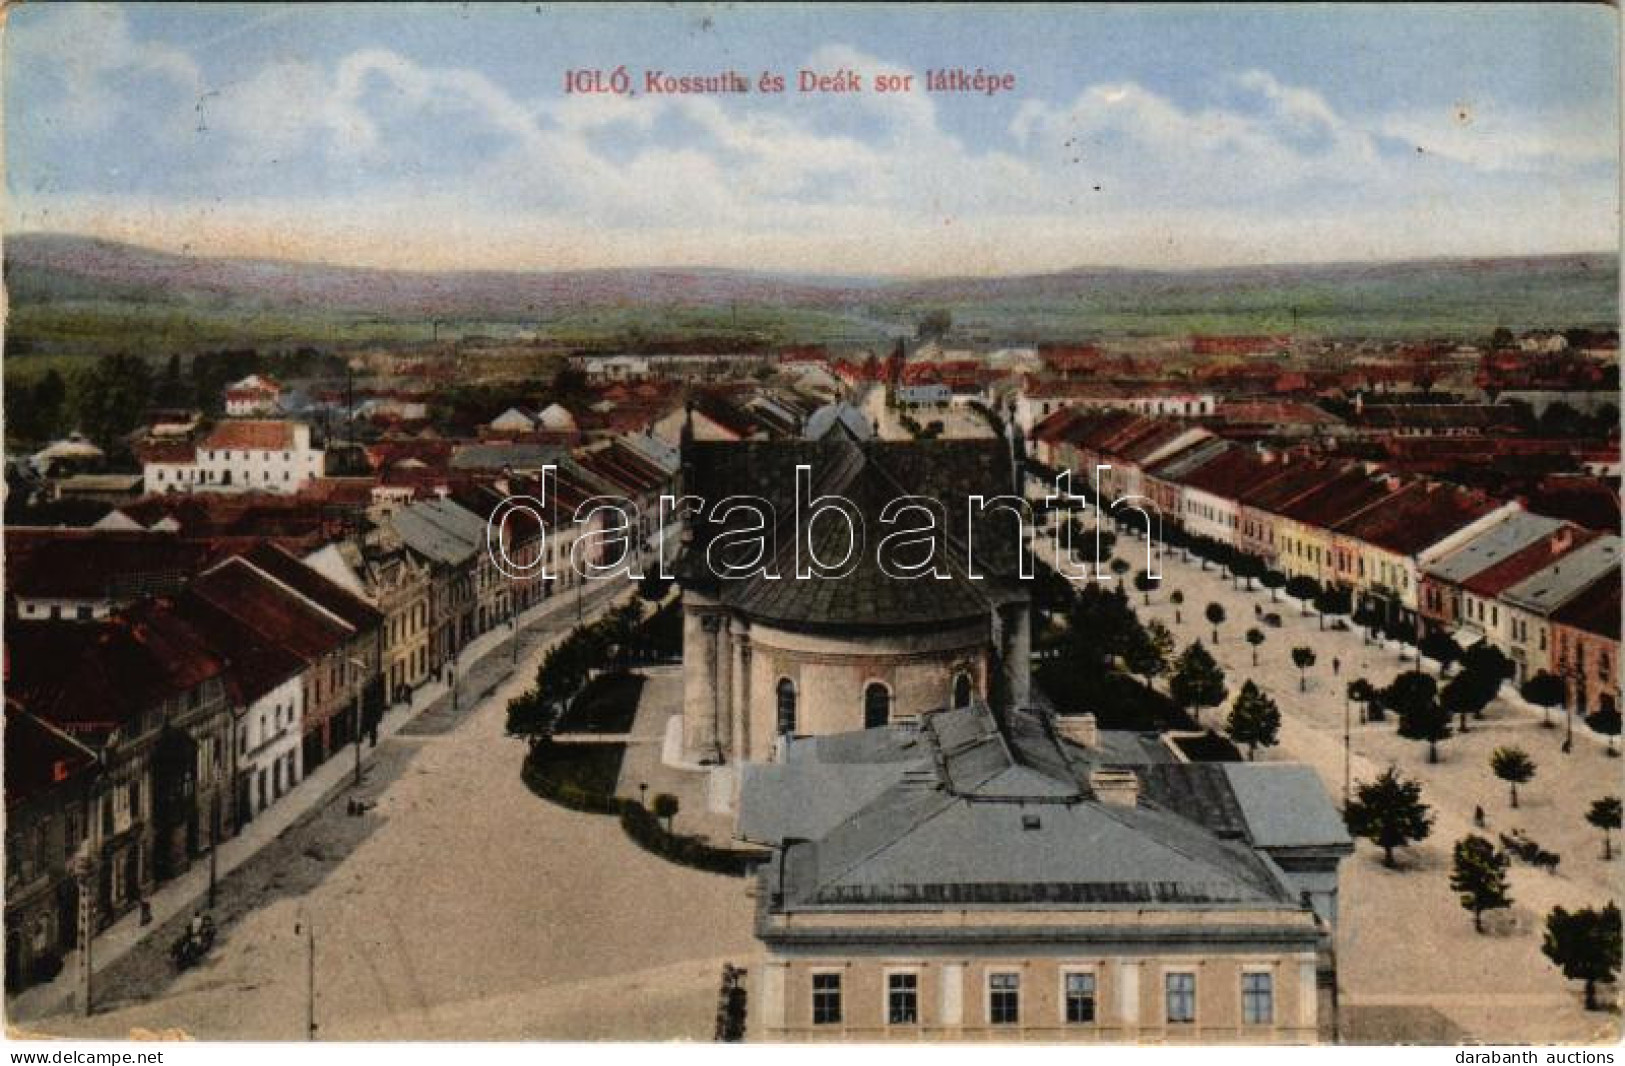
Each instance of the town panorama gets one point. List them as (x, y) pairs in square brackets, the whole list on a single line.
[(1102, 528)]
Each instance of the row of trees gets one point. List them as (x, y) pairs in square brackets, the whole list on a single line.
[(108, 398), (607, 643)]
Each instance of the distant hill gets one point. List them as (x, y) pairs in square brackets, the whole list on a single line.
[(74, 294)]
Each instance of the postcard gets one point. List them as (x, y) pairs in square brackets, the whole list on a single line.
[(786, 524)]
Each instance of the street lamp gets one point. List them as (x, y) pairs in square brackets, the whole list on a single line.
[(355, 686)]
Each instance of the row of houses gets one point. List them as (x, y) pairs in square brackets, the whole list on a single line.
[(179, 668), (1421, 554)]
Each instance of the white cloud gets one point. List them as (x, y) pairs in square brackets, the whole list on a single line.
[(90, 49), (1120, 174)]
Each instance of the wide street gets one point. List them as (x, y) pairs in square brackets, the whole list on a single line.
[(1410, 966), (460, 907)]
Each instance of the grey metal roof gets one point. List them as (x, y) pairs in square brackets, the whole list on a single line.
[(1514, 534), (497, 456), (1285, 806), (440, 530), (1566, 578), (972, 808)]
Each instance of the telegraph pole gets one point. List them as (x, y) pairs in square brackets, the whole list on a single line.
[(86, 873)]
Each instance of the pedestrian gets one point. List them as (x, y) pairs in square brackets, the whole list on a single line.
[(1337, 664), (1478, 817), (146, 912)]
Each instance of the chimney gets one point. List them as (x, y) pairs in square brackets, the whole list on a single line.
[(1562, 540), (1119, 788), (1078, 728)]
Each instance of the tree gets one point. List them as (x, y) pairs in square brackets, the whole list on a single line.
[(1361, 691), (1248, 568), (1545, 690), (1369, 619), (112, 395), (1272, 580), (1303, 588), (1303, 658), (1479, 876), (1390, 813), (1143, 656), (666, 806), (1487, 667), (1413, 696), (1197, 682), (1585, 945), (528, 717), (1604, 814), (1177, 598), (1254, 720), (1513, 766), (934, 325), (1461, 696), (1331, 601), (1161, 639), (1255, 637), (1146, 584), (1215, 617), (653, 587), (1439, 647)]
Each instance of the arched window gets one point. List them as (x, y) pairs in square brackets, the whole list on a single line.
[(962, 690), (787, 706), (876, 705)]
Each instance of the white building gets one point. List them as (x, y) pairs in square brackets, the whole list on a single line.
[(254, 395), (264, 456), (1038, 400)]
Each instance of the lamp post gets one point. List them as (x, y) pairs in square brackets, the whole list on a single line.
[(1348, 752), (304, 926), (84, 871), (355, 687)]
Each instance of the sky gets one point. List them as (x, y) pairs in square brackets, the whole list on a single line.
[(442, 137)]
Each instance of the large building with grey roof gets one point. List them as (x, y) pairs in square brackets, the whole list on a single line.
[(1022, 876)]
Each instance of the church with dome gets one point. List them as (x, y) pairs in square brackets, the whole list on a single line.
[(769, 656)]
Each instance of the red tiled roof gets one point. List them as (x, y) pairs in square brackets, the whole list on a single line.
[(91, 678), (165, 451), (38, 758), (250, 435), (1419, 515), (294, 573), (94, 564), (1342, 496), (279, 619), (1493, 580)]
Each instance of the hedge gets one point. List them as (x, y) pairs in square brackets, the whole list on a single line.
[(647, 832), (639, 824)]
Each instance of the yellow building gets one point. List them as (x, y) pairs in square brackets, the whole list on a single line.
[(981, 877)]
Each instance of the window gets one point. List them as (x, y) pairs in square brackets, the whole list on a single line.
[(826, 993), (787, 706), (876, 705), (902, 998), (962, 690), (1080, 998), (1257, 999), (1004, 998), (1181, 993)]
